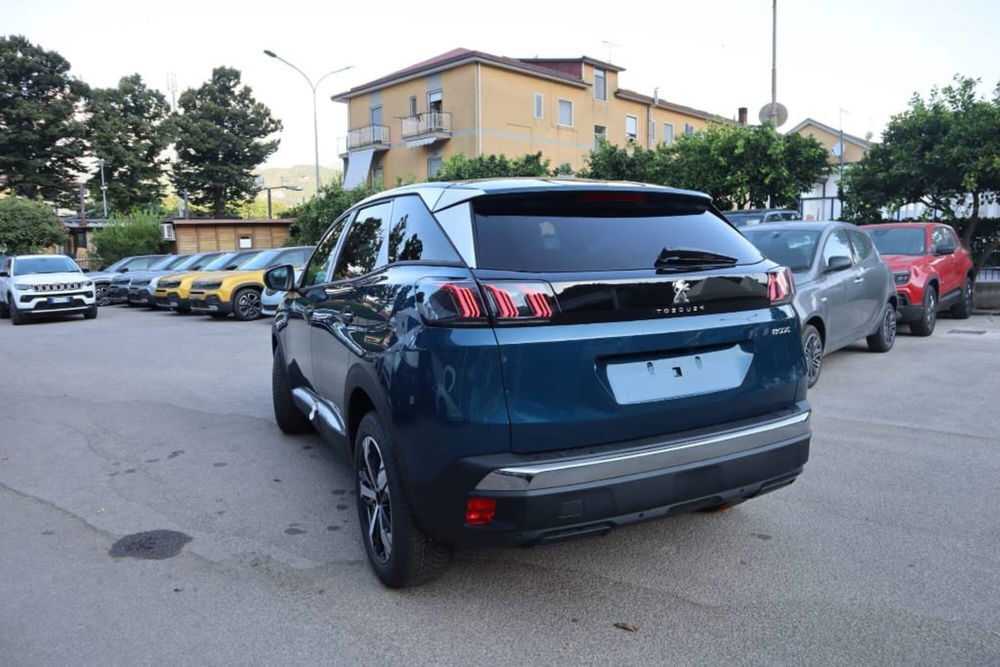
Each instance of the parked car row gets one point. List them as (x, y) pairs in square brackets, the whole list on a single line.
[(218, 284)]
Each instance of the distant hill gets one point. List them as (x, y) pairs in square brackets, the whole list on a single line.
[(302, 175)]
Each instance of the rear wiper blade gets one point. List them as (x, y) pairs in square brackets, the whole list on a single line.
[(679, 258)]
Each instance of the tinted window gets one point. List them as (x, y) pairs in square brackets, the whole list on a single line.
[(264, 260), (862, 245), (837, 245), (296, 257), (414, 234), (360, 251), (140, 263), (943, 239), (598, 231), (794, 249), (322, 258), (239, 260), (898, 240), (744, 219), (53, 264), (220, 261), (202, 261)]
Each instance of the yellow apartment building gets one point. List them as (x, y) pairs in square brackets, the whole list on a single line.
[(404, 125), (823, 201)]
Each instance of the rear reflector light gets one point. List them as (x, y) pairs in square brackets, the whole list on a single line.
[(479, 511), (780, 286)]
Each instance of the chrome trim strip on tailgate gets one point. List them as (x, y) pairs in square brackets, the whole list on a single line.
[(677, 452)]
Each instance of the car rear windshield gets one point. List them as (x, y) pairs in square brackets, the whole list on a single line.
[(898, 240), (598, 231), (54, 264), (746, 219), (794, 249)]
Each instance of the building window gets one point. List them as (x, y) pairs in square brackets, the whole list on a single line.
[(688, 129), (377, 178), (631, 128), (668, 133), (539, 105), (600, 136), (566, 113), (651, 132), (413, 105), (600, 84), (434, 101), (375, 114), (246, 241), (434, 165)]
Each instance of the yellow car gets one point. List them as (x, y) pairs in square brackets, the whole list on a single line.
[(238, 292), (174, 291)]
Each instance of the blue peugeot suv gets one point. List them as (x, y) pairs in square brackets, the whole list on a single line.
[(526, 360)]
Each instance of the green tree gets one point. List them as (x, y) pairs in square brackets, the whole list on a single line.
[(460, 168), (27, 226), (137, 233), (943, 152), (631, 163), (222, 136), (316, 215), (129, 130), (41, 140)]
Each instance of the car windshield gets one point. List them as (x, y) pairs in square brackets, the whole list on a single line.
[(118, 265), (898, 240), (604, 231), (168, 262), (262, 261), (745, 219), (794, 249), (54, 264), (219, 262)]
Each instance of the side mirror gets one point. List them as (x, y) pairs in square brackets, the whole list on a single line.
[(280, 278), (946, 250), (837, 263), (4, 274), (124, 269), (86, 270)]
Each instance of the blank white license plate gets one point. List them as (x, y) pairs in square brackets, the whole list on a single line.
[(677, 377), (60, 299)]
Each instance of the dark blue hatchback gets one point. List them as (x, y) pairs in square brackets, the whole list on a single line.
[(522, 361)]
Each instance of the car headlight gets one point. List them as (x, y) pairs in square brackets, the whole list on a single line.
[(87, 283), (901, 277), (213, 285), (23, 287)]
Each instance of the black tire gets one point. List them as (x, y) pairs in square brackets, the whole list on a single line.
[(246, 304), (102, 295), (288, 417), (963, 309), (16, 318), (4, 310), (409, 557), (812, 348), (219, 316), (90, 313), (883, 338), (928, 316)]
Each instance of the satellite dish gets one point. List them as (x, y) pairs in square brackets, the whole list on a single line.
[(780, 112)]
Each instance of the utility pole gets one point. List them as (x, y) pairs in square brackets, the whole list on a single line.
[(293, 188), (104, 189), (774, 62)]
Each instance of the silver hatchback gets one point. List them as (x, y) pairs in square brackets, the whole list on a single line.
[(843, 289)]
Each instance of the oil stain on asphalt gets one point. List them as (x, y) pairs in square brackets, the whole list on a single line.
[(152, 544)]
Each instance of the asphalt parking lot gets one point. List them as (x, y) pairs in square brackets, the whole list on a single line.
[(886, 550)]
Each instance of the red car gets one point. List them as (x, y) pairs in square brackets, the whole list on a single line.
[(932, 270)]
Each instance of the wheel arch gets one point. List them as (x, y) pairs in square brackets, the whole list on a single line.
[(817, 321)]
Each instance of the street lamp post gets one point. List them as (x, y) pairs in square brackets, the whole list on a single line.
[(293, 188), (313, 87), (104, 189)]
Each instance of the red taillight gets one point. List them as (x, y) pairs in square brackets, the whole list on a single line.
[(516, 301), (455, 302), (466, 300), (780, 286), (479, 511)]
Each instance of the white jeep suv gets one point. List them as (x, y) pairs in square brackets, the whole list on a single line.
[(39, 284)]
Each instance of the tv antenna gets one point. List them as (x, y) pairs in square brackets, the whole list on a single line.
[(610, 47)]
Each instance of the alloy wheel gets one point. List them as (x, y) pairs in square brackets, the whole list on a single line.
[(930, 311), (373, 489), (967, 295), (889, 326), (814, 356), (102, 295), (249, 305)]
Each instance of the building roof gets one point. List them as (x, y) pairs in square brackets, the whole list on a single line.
[(582, 59), (230, 221), (632, 95), (455, 58), (864, 143)]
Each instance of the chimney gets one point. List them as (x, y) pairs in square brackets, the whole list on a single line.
[(742, 111)]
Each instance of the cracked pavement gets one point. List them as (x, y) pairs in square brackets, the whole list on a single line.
[(887, 549)]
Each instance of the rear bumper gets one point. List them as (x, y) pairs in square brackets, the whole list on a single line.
[(541, 500)]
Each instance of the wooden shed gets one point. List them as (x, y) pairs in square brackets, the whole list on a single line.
[(191, 235)]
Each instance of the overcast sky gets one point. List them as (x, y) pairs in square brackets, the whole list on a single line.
[(865, 56)]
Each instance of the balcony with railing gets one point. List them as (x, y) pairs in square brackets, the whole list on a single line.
[(425, 128), (374, 137)]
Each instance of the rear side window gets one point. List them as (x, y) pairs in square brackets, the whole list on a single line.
[(862, 245), (598, 231), (414, 234), (360, 252), (794, 249), (837, 245)]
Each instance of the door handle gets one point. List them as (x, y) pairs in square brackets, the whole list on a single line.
[(859, 279)]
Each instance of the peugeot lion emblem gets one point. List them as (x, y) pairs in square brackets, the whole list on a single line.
[(681, 288)]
